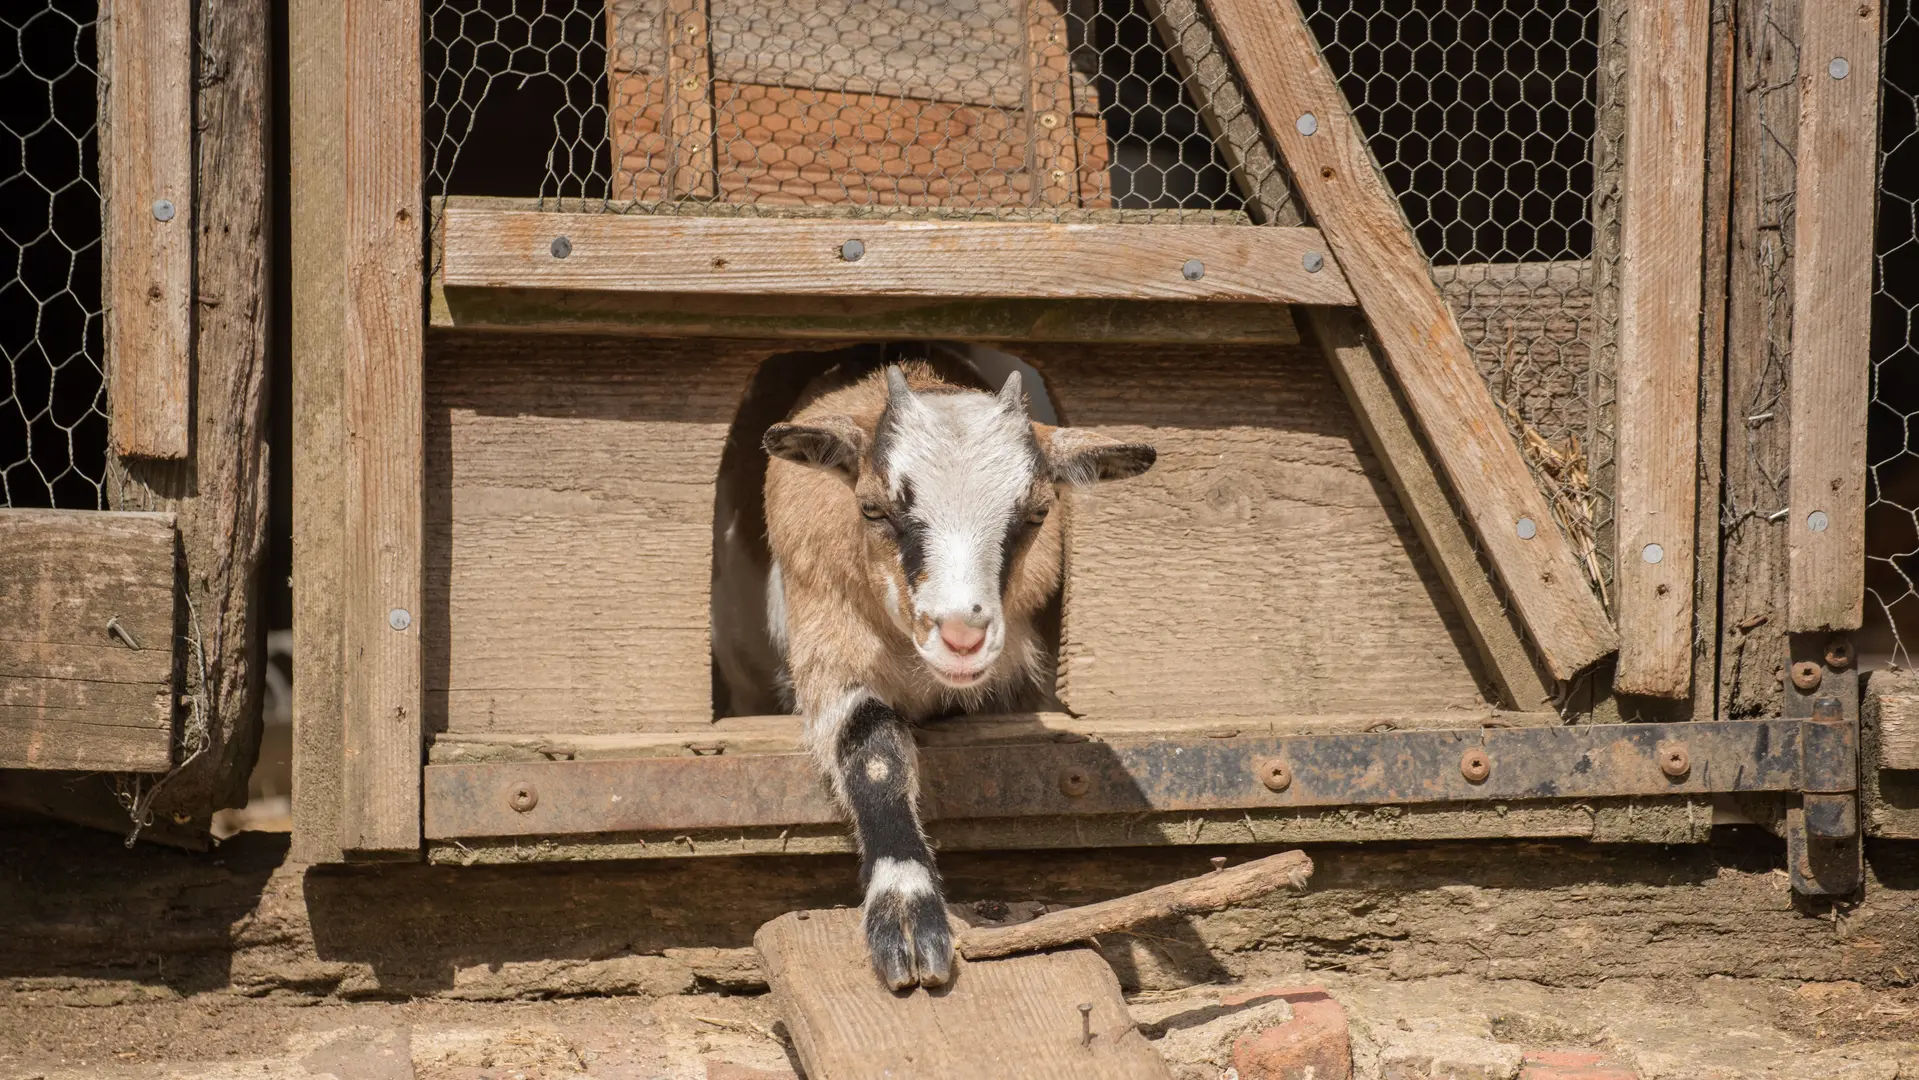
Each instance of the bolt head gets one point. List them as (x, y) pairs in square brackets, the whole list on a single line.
[(1193, 270), (1073, 782), (1275, 775), (1817, 521), (163, 209), (561, 247), (1839, 654), (1313, 261), (1475, 766), (399, 618), (853, 250), (1526, 528), (1807, 676), (1653, 553), (1307, 123), (1839, 68), (1674, 761), (523, 797)]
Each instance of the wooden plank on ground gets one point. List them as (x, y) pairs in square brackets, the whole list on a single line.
[(1035, 260), (1293, 89), (1661, 263), (148, 248), (87, 640), (1008, 1019), (1832, 313), (382, 414), (689, 90), (1361, 374)]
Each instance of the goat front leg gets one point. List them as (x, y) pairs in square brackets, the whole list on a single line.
[(870, 756)]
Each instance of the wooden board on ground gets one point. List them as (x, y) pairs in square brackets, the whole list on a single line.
[(1260, 564), (569, 529), (86, 640), (1008, 1019)]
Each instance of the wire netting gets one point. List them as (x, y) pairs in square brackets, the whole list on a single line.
[(53, 423), (1000, 108), (1892, 485), (1496, 125)]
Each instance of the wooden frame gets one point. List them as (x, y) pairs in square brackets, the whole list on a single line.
[(932, 259), (1660, 307), (148, 246), (1832, 314)]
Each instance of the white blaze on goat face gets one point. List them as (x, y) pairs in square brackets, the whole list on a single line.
[(961, 478)]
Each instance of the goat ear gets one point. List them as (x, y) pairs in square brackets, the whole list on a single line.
[(1012, 396), (1078, 456), (832, 443)]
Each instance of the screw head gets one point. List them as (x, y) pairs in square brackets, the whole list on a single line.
[(1839, 654), (1839, 68), (1313, 261), (1526, 528), (163, 209), (1073, 782), (561, 247), (1475, 766), (1193, 270), (1807, 676), (523, 797), (1817, 521), (1219, 863), (399, 618), (1049, 120), (853, 250), (1673, 760), (1652, 553), (1275, 775), (1307, 123)]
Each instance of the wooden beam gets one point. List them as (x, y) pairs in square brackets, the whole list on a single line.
[(689, 100), (1361, 373), (1899, 731), (1661, 263), (147, 161), (1294, 92), (1053, 147), (382, 414), (954, 260), (87, 640), (1832, 314)]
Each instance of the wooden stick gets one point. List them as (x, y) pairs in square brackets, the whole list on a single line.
[(1192, 896)]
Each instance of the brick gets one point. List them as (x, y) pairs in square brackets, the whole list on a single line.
[(1313, 1045), (1572, 1065)]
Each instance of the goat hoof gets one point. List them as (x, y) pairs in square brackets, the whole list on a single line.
[(910, 940)]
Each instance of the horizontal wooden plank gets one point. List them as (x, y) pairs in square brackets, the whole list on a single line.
[(87, 640), (1034, 260), (850, 318)]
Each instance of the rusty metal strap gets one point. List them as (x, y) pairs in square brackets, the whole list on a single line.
[(1373, 769)]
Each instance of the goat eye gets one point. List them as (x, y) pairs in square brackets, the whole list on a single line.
[(1036, 515), (872, 511)]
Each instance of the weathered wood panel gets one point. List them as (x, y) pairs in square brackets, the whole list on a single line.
[(1262, 566), (1838, 159), (1303, 108), (1899, 730), (87, 640), (1660, 266), (846, 1024), (148, 250), (382, 272), (1034, 260), (689, 96), (569, 536)]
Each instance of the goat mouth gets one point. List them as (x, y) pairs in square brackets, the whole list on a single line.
[(959, 676)]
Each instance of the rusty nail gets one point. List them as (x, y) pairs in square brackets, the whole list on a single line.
[(1475, 766), (523, 797), (1219, 863), (1839, 654), (1275, 775), (1085, 1024), (1674, 761), (1074, 782), (1806, 675)]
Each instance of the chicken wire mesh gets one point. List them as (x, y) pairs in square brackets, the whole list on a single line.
[(53, 423), (1892, 484), (996, 108)]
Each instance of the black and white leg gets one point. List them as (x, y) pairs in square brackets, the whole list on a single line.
[(875, 772)]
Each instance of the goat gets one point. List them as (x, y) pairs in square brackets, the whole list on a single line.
[(913, 547)]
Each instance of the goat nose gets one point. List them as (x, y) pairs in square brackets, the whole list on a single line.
[(962, 638)]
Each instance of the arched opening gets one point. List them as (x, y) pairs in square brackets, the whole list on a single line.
[(746, 676)]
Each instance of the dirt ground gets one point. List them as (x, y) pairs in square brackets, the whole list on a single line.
[(1677, 1029)]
